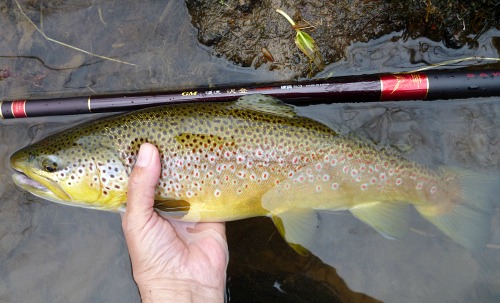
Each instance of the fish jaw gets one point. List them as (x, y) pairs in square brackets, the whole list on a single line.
[(40, 186), (63, 185)]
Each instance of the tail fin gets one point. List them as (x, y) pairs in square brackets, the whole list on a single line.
[(469, 221)]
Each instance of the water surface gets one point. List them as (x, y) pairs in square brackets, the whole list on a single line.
[(55, 253)]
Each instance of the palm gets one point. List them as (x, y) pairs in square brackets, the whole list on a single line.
[(170, 255), (185, 251)]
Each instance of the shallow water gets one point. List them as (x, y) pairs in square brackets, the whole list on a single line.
[(55, 253)]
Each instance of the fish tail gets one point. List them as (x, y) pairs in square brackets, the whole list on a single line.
[(466, 216)]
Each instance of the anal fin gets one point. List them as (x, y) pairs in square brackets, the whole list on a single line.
[(388, 218)]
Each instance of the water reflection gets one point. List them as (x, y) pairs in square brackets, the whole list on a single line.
[(54, 253), (261, 260)]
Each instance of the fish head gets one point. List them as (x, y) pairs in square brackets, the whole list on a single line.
[(75, 171)]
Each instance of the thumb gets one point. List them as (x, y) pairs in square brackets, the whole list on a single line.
[(141, 186)]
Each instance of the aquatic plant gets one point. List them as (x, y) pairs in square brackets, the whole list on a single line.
[(305, 42)]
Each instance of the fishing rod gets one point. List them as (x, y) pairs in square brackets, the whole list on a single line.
[(428, 85)]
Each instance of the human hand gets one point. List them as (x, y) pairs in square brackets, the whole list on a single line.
[(171, 260)]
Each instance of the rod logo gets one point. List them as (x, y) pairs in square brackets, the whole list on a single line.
[(403, 87)]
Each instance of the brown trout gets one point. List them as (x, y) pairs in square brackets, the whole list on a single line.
[(253, 157)]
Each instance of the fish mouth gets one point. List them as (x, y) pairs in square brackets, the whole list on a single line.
[(39, 186)]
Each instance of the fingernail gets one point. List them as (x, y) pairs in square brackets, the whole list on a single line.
[(145, 155)]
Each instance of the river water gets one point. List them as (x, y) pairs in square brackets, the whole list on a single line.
[(55, 253)]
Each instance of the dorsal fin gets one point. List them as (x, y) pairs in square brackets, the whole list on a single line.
[(265, 104)]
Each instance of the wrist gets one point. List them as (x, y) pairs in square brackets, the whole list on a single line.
[(180, 292)]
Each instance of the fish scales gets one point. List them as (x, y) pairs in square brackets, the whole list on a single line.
[(219, 157), (226, 160), (252, 157)]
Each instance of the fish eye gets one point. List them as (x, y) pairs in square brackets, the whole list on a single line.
[(50, 163)]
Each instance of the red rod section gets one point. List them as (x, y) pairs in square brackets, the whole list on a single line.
[(429, 85)]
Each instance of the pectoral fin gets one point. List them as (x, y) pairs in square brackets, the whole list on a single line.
[(297, 226), (389, 219), (170, 208)]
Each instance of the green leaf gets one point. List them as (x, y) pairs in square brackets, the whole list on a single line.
[(305, 43), (308, 46)]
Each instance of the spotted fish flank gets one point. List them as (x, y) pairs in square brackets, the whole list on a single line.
[(252, 157)]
